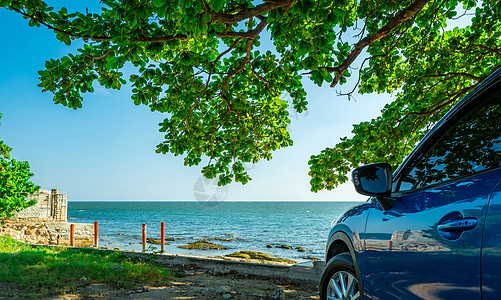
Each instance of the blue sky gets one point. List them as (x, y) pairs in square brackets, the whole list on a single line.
[(106, 150)]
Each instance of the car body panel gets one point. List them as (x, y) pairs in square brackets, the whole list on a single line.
[(351, 223), (406, 256), (491, 248), (349, 229)]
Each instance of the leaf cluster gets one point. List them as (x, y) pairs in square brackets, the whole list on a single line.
[(429, 69), (200, 63), (15, 186)]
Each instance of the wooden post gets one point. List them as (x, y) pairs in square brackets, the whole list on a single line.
[(144, 237), (72, 235), (58, 241), (162, 237), (96, 234)]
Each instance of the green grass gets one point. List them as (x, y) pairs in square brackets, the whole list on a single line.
[(36, 272)]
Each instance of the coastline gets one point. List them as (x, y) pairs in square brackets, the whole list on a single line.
[(296, 273), (124, 242), (255, 226), (147, 276)]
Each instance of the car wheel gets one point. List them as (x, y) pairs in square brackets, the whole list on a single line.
[(339, 280)]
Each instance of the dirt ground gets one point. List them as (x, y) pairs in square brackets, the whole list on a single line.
[(201, 284)]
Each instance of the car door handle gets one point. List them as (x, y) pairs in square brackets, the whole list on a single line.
[(460, 225)]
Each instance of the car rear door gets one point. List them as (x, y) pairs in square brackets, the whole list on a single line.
[(428, 245), (491, 249)]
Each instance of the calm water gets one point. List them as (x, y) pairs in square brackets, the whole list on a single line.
[(250, 225)]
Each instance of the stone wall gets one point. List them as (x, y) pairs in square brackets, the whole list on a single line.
[(46, 233)]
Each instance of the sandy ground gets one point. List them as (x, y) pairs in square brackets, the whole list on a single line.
[(201, 284)]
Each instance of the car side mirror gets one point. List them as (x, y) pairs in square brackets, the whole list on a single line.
[(375, 180)]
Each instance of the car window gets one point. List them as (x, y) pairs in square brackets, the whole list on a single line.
[(472, 145)]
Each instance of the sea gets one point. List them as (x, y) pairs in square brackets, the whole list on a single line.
[(254, 226)]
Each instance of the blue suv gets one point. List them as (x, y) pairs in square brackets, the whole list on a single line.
[(431, 229)]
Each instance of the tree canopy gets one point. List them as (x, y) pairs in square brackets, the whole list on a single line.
[(199, 62), (15, 186)]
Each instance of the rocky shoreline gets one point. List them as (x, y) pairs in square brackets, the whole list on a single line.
[(243, 255), (48, 233), (58, 233)]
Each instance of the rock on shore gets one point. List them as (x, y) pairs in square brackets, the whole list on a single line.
[(260, 257), (203, 245), (155, 241)]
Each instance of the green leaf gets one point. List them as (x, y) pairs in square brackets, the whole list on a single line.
[(159, 3), (63, 37)]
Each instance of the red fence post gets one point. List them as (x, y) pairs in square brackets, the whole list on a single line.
[(144, 237), (390, 245), (162, 237), (96, 234), (72, 235)]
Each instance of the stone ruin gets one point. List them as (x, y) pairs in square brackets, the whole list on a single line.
[(46, 223), (50, 207)]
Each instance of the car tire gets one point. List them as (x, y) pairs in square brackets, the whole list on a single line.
[(339, 280)]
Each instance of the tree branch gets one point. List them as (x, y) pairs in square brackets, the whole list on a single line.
[(93, 59), (166, 38), (470, 76), (248, 48), (217, 17), (439, 106), (266, 82), (495, 51), (396, 21)]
